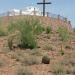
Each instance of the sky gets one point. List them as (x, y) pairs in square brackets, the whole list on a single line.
[(65, 8)]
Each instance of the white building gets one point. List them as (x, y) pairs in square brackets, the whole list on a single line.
[(13, 12), (27, 11)]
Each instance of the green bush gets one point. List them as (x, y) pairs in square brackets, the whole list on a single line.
[(28, 41), (10, 43), (63, 33), (27, 36), (28, 29), (64, 36), (37, 27), (48, 30), (2, 32)]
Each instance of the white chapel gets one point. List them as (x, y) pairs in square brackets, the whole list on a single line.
[(30, 10)]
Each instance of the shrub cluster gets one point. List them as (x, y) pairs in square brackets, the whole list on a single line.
[(23, 71), (58, 69), (63, 33), (27, 28)]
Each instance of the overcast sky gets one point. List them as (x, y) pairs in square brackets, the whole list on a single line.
[(65, 8)]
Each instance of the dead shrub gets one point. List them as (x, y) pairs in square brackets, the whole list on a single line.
[(46, 59)]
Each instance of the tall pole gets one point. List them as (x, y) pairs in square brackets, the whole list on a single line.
[(43, 7)]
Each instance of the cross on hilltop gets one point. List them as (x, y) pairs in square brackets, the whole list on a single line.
[(44, 3)]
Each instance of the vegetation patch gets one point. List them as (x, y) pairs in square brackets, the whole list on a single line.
[(57, 69), (23, 71), (28, 29), (30, 60), (46, 59), (48, 30), (2, 63)]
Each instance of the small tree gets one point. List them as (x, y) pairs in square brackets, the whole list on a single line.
[(63, 34)]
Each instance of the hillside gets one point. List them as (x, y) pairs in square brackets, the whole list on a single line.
[(53, 22), (25, 57)]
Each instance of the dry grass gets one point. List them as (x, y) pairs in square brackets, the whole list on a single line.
[(2, 63), (23, 71), (33, 57)]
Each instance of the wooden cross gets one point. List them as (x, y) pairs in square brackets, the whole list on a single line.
[(44, 3)]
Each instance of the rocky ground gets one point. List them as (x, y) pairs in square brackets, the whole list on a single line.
[(47, 45)]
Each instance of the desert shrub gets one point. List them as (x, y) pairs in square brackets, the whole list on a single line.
[(37, 26), (69, 61), (68, 47), (2, 32), (23, 71), (14, 55), (63, 33), (17, 55), (28, 41), (11, 40), (36, 52), (46, 59), (24, 58), (49, 48), (2, 62), (57, 69), (31, 60), (27, 29), (64, 36), (48, 30), (11, 27)]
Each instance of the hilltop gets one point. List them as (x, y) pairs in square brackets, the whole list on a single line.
[(27, 43)]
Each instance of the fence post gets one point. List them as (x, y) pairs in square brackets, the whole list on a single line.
[(65, 19), (8, 13), (41, 13), (34, 12), (20, 12), (69, 22), (58, 17), (47, 14)]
